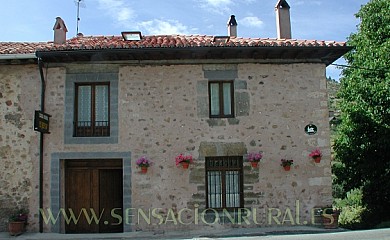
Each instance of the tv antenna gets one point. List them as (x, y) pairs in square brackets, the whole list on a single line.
[(79, 3)]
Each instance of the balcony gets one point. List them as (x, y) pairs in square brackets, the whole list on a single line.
[(91, 129)]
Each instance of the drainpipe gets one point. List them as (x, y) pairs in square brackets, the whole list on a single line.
[(43, 88)]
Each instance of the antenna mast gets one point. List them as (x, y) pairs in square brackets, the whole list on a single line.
[(79, 3)]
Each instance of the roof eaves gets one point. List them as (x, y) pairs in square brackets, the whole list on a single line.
[(17, 56)]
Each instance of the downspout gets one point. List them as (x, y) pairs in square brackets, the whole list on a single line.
[(43, 88)]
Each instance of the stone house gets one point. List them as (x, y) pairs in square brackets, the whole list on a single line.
[(112, 101)]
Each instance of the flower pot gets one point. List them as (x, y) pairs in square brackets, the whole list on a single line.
[(287, 168), (317, 159), (144, 169), (330, 221), (185, 165), (16, 228), (254, 164)]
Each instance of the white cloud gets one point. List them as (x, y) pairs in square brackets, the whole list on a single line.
[(221, 6), (216, 6), (162, 27), (316, 2), (251, 22), (312, 2), (217, 3), (124, 16), (118, 10)]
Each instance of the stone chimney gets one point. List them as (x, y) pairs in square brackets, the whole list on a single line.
[(59, 31), (232, 26), (283, 24)]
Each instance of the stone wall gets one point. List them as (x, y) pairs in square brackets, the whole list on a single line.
[(163, 111), (19, 97)]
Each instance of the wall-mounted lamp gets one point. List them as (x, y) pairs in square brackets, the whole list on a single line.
[(132, 36)]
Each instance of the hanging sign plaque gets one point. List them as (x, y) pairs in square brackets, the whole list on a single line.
[(41, 122)]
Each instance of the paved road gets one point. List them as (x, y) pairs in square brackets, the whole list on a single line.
[(296, 233), (379, 234)]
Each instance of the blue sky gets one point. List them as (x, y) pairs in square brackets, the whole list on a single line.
[(32, 20)]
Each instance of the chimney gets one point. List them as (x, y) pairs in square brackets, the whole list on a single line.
[(59, 31), (232, 26), (283, 24)]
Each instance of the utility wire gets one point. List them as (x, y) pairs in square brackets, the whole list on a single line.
[(362, 68)]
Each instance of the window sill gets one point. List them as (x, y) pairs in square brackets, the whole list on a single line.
[(221, 117), (221, 122), (92, 140)]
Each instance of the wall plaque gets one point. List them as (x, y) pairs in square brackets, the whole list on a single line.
[(311, 129), (41, 122)]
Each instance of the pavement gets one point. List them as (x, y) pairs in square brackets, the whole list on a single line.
[(183, 234)]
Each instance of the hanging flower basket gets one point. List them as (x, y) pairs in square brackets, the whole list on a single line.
[(316, 155), (317, 159), (254, 158), (144, 169), (254, 164), (183, 160), (143, 162), (185, 165), (286, 164)]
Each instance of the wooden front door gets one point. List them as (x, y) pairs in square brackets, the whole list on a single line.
[(94, 194)]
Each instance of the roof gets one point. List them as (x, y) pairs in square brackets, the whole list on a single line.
[(179, 43), (19, 47)]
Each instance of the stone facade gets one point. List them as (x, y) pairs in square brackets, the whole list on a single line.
[(19, 97), (162, 110)]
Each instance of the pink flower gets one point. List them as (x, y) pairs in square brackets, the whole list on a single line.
[(315, 153), (143, 162), (254, 156), (183, 158)]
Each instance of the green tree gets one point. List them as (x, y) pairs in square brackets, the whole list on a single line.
[(363, 143)]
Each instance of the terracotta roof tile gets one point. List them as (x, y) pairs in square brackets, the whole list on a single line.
[(156, 41), (19, 47)]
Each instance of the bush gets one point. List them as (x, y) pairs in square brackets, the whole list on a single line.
[(352, 210), (351, 217)]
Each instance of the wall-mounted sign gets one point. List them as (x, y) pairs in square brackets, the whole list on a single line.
[(41, 122), (311, 129)]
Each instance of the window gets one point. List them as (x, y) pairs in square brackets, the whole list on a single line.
[(224, 182), (92, 110), (221, 99)]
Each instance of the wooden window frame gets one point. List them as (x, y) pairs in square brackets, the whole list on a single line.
[(221, 103), (223, 169), (93, 130)]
